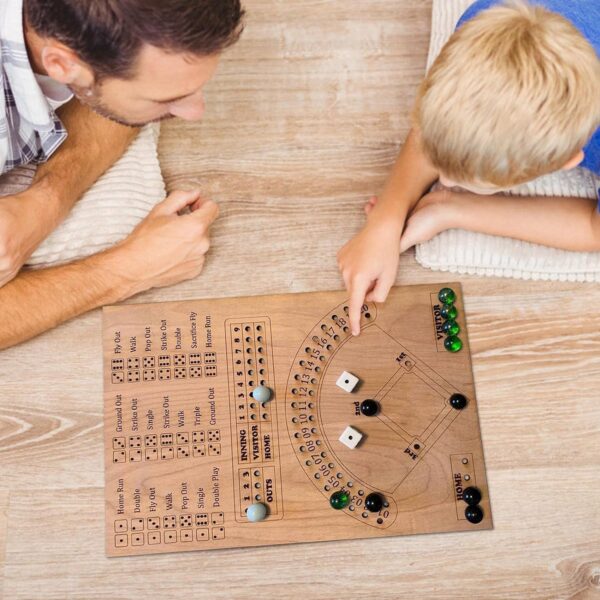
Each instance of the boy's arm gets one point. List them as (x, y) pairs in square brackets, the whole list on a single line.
[(565, 223), (369, 261), (26, 219), (164, 249)]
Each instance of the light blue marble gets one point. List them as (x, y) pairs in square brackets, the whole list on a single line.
[(256, 512), (262, 394)]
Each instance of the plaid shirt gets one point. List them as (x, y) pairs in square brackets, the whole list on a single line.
[(30, 131)]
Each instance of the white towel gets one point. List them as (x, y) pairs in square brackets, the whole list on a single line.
[(461, 251), (109, 211)]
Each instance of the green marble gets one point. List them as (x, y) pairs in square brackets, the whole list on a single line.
[(449, 312), (339, 500), (451, 328), (453, 344), (447, 296)]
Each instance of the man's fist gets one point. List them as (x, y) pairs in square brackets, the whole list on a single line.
[(167, 247)]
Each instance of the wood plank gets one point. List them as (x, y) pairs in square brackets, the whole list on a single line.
[(188, 448), (531, 553)]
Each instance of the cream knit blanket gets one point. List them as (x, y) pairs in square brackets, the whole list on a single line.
[(461, 251), (109, 211)]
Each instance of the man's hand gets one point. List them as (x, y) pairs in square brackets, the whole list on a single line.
[(167, 247), (369, 263), (429, 217), (20, 233)]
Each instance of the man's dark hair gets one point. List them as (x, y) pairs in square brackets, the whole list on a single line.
[(109, 34)]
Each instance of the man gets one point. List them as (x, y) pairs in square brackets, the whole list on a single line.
[(127, 63)]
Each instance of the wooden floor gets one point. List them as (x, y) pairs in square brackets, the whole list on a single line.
[(302, 125)]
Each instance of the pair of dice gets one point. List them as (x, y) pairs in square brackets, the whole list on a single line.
[(350, 437)]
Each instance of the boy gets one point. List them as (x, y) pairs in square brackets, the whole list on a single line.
[(514, 95)]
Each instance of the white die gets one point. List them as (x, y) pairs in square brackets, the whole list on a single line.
[(347, 381), (351, 437)]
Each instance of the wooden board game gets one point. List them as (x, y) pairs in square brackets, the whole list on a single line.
[(188, 449)]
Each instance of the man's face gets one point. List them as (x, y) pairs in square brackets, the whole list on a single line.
[(165, 85)]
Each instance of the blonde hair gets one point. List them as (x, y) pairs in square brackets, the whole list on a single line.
[(514, 95)]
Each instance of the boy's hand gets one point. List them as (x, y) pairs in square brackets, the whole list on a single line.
[(369, 264), (166, 247), (430, 216)]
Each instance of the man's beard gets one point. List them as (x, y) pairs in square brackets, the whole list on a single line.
[(90, 97)]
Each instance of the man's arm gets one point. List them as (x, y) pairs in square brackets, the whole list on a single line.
[(26, 219), (565, 223), (369, 262), (164, 249)]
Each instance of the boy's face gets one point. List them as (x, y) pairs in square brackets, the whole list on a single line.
[(481, 189), (488, 189)]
